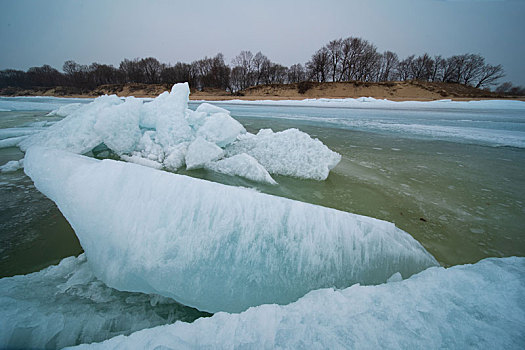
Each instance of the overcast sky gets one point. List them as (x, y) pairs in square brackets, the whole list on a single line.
[(33, 33)]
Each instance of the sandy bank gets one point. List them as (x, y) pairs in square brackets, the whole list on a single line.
[(395, 91)]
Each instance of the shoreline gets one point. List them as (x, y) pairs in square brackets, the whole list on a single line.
[(198, 97), (392, 91)]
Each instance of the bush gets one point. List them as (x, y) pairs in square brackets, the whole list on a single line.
[(304, 86)]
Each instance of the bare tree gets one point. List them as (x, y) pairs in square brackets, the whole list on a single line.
[(44, 76), (76, 74), (13, 78), (275, 74), (335, 54), (99, 74), (388, 65), (244, 60), (437, 69), (404, 68), (236, 79), (179, 73), (259, 63), (296, 73), (368, 65), (490, 75), (421, 67), (448, 69), (318, 66), (474, 65), (132, 71), (151, 69)]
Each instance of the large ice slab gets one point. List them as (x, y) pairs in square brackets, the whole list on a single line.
[(211, 246), (465, 307), (66, 305)]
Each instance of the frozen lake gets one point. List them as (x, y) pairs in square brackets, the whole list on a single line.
[(450, 174)]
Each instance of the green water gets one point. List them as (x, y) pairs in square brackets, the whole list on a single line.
[(462, 202)]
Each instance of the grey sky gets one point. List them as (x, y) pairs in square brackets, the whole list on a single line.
[(33, 33)]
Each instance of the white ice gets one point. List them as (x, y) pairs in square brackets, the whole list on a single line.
[(37, 103), (165, 133), (242, 165), (289, 152), (65, 305), (11, 142), (212, 246), (210, 109), (17, 132), (370, 103), (220, 129), (464, 307), (76, 132), (201, 152), (65, 110), (11, 166)]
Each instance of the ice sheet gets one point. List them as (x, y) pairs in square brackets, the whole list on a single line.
[(37, 103), (370, 102)]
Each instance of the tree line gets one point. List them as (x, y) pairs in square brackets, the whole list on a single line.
[(350, 59)]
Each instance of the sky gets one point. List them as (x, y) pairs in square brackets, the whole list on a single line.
[(33, 32)]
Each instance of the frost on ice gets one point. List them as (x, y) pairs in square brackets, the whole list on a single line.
[(65, 305), (212, 246), (471, 306), (164, 133)]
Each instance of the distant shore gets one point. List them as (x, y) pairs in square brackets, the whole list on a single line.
[(395, 91)]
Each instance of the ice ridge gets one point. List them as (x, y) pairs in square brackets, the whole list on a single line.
[(165, 133)]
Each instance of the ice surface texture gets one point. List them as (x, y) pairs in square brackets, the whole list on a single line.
[(289, 152), (65, 305), (164, 133), (471, 306), (212, 246), (12, 165)]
